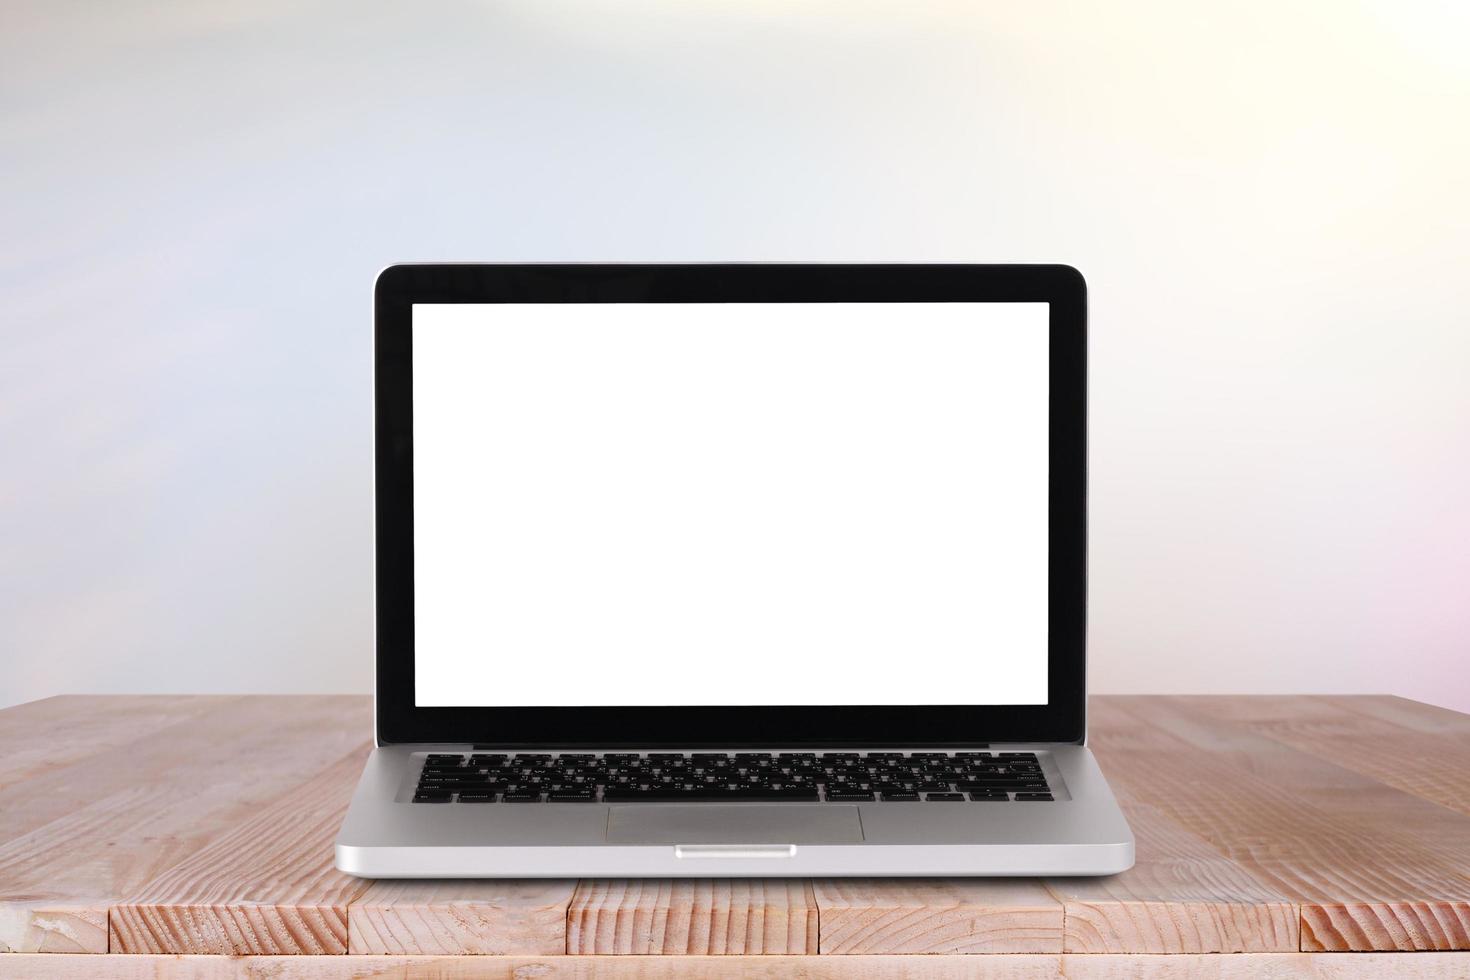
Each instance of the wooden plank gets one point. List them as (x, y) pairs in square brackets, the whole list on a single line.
[(56, 732), (51, 926), (1271, 966), (1355, 743), (265, 885), (1415, 716), (451, 917), (1182, 896), (1014, 966), (1409, 746), (1299, 825), (715, 917), (936, 915), (79, 837)]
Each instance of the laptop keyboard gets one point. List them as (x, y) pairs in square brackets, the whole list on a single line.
[(936, 777)]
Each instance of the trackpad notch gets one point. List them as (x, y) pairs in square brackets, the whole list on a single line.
[(745, 823)]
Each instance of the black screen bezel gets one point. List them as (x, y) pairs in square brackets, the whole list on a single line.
[(1061, 719)]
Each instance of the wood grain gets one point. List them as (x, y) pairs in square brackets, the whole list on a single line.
[(1182, 896), (936, 915), (1430, 760), (55, 732), (446, 917), (1263, 825), (1014, 966), (267, 885), (86, 832), (1414, 716), (717, 917), (780, 967), (1370, 867)]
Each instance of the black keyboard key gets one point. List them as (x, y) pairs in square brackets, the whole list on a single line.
[(945, 797), (843, 795), (570, 797), (794, 794), (522, 796), (617, 795), (620, 794), (430, 796), (477, 797), (990, 795), (1046, 797), (443, 780), (660, 794), (901, 797)]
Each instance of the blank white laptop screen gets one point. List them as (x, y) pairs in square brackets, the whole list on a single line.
[(730, 504)]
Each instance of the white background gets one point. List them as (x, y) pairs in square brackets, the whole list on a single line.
[(730, 504), (1269, 201)]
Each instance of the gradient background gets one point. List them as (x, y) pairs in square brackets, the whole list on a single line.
[(1270, 201)]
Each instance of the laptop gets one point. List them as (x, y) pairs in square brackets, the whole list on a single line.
[(731, 570)]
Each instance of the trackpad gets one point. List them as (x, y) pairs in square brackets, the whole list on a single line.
[(746, 823)]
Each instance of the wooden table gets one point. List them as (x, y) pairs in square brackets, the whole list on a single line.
[(1287, 830)]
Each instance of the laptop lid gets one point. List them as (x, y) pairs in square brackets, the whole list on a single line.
[(733, 505)]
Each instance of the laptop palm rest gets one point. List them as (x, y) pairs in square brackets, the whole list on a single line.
[(744, 823)]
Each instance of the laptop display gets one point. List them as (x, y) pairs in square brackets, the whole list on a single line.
[(730, 504)]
